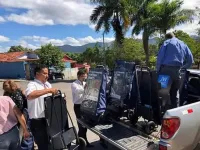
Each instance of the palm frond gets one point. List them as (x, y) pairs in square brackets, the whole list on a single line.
[(96, 13)]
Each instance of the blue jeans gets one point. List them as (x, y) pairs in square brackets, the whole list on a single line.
[(10, 140)]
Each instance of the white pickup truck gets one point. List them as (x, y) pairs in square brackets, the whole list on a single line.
[(180, 129), (181, 126)]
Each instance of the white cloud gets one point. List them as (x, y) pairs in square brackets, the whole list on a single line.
[(4, 39), (2, 19), (30, 18), (190, 28), (4, 49), (49, 12), (191, 4), (68, 40), (24, 43)]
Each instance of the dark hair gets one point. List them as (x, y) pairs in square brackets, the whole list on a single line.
[(38, 68), (9, 86), (169, 35), (81, 72)]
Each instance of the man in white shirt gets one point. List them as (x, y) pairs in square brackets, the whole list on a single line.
[(78, 87), (35, 92)]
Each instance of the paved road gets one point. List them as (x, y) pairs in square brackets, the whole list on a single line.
[(64, 86)]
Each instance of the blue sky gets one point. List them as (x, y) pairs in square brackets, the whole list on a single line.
[(32, 23)]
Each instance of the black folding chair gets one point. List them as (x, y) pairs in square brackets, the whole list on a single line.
[(60, 134)]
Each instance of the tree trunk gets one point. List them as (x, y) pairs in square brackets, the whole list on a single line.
[(119, 36), (145, 38)]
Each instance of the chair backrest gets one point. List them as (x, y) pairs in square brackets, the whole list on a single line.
[(56, 114), (183, 89), (121, 83), (144, 81), (94, 98), (195, 85)]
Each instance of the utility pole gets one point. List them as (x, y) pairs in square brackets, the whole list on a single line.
[(104, 50)]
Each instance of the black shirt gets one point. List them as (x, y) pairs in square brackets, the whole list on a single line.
[(19, 98)]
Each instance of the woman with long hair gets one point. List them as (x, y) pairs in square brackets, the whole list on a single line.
[(15, 93)]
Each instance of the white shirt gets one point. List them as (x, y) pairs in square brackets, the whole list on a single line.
[(36, 106), (77, 91)]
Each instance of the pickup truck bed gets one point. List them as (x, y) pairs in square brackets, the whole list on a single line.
[(121, 135)]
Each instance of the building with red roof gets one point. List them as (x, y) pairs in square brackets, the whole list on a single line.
[(15, 65)]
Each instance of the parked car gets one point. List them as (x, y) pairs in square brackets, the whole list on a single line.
[(55, 74)]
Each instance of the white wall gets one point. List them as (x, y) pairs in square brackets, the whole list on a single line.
[(70, 73)]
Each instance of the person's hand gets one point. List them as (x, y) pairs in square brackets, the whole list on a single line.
[(53, 91), (85, 86), (26, 134)]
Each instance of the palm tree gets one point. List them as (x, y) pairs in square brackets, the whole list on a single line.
[(112, 13), (168, 14), (161, 16), (142, 22)]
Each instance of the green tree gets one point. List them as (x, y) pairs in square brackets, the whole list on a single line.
[(168, 13), (142, 22), (93, 55), (76, 56), (51, 56), (131, 50), (110, 57), (187, 39), (19, 48), (191, 43), (161, 16), (112, 13)]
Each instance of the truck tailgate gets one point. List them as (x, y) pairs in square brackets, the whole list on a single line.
[(119, 136)]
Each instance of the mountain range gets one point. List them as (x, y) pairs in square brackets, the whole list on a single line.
[(80, 49)]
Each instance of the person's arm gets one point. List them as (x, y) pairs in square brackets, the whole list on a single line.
[(32, 93), (37, 93), (76, 90), (188, 58), (160, 57), (22, 121)]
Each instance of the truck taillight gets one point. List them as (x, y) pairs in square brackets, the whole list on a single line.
[(161, 147), (169, 127)]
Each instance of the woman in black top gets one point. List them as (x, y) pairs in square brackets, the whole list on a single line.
[(15, 93)]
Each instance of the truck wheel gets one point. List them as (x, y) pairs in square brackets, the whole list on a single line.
[(82, 144)]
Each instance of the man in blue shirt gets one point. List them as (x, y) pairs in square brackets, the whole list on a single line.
[(173, 55)]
